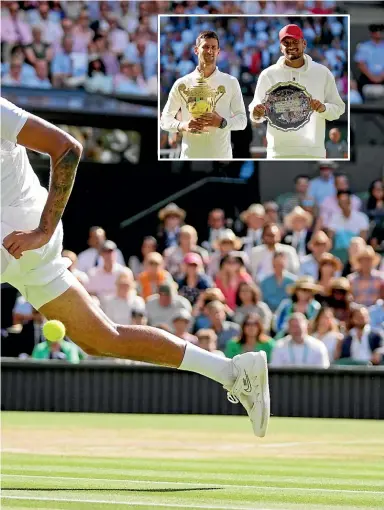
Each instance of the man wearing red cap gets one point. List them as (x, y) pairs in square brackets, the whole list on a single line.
[(296, 95)]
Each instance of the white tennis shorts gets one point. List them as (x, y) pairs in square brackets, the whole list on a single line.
[(39, 275)]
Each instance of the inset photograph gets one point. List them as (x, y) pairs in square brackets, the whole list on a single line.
[(253, 87)]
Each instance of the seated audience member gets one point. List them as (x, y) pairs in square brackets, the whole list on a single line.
[(226, 242), (102, 279), (298, 224), (224, 329), (139, 317), (262, 256), (329, 268), (298, 349), (63, 351), (376, 314), (91, 257), (14, 30), (136, 263), (367, 283), (248, 300), (187, 243), (253, 218), (272, 214), (374, 208), (153, 275), (345, 225), (340, 299), (200, 308), (41, 78), (336, 147), (118, 307), (162, 307), (232, 272), (323, 186), (38, 49), (194, 280), (82, 33), (69, 68), (181, 322), (326, 329), (130, 80), (207, 340), (252, 338), (361, 345), (330, 205), (302, 301), (369, 58), (98, 81), (356, 246), (354, 94), (274, 287), (300, 197), (318, 245), (80, 275), (172, 218), (216, 226)]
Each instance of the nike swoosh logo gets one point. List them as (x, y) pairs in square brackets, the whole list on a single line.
[(247, 386)]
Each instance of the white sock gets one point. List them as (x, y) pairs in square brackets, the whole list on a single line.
[(206, 363)]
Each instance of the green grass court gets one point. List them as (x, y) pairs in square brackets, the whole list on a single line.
[(91, 462)]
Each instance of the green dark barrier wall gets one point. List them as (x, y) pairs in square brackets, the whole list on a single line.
[(105, 387)]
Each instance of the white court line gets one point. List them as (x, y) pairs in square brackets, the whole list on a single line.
[(136, 503), (202, 485)]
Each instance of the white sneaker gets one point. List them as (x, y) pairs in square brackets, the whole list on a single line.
[(251, 389)]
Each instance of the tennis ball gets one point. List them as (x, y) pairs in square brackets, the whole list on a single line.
[(54, 331)]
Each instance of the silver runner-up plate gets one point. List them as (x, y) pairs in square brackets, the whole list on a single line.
[(288, 106)]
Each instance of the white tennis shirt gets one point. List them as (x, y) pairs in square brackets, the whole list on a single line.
[(217, 143)]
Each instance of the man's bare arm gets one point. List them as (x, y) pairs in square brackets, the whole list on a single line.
[(65, 153)]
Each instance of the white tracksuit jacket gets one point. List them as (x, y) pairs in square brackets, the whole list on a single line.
[(308, 141)]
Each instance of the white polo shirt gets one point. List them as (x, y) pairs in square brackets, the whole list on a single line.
[(216, 144), (355, 223), (311, 352)]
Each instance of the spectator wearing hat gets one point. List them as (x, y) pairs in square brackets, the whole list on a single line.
[(187, 243), (345, 225), (80, 275), (252, 338), (216, 226), (367, 283), (370, 58), (361, 345), (298, 349), (119, 306), (91, 257), (102, 279), (300, 197), (153, 275), (356, 245), (274, 287), (207, 340), (181, 323), (298, 224), (262, 256), (326, 329), (225, 330), (224, 244), (340, 299), (329, 268), (194, 280), (232, 272), (330, 205), (162, 307), (323, 186), (302, 300), (172, 217), (248, 300), (272, 214), (318, 245), (254, 219), (136, 262)]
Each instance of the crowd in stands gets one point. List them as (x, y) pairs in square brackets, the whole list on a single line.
[(111, 46), (301, 278)]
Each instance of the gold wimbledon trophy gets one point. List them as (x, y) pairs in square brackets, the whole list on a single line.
[(201, 98)]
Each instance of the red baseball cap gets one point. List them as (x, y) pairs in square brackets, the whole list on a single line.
[(291, 31)]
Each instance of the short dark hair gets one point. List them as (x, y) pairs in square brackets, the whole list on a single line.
[(207, 34), (346, 192), (301, 176)]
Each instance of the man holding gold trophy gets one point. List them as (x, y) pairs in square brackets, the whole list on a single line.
[(296, 96), (211, 105)]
